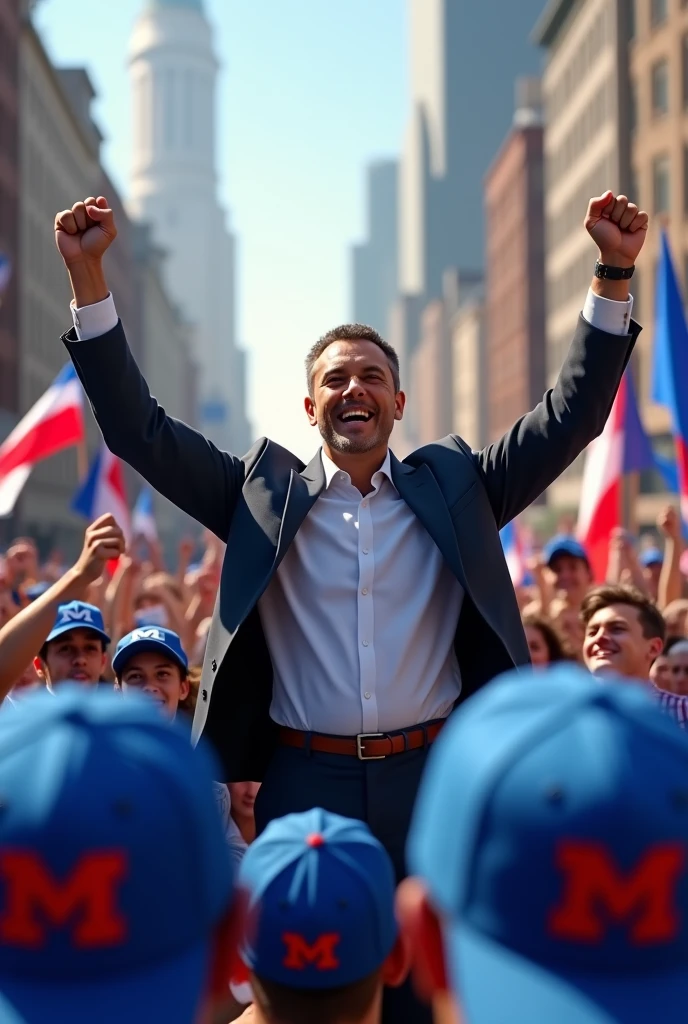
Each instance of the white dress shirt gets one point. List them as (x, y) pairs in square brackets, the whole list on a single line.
[(361, 614)]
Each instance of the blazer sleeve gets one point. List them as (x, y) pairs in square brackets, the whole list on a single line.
[(175, 459), (519, 466)]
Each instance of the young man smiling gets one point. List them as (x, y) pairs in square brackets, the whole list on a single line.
[(63, 633), (361, 597), (151, 660)]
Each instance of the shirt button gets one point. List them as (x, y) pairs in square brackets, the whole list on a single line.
[(364, 591), (365, 643), (365, 551), (366, 695)]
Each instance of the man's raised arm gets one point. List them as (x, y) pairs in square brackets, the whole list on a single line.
[(175, 459), (544, 442)]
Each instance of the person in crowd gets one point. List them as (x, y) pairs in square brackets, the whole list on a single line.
[(59, 628), (319, 935), (21, 562), (243, 796), (659, 673), (546, 852), (624, 635), (544, 643), (565, 618), (151, 660), (676, 618), (651, 561), (115, 885), (624, 632), (678, 668), (670, 585), (364, 596), (566, 559)]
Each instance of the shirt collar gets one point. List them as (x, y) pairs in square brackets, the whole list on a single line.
[(331, 471)]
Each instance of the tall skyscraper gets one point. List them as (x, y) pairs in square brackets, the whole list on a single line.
[(464, 58), (174, 188), (375, 261)]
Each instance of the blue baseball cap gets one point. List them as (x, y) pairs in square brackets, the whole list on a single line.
[(78, 615), (320, 901), (563, 544), (551, 829), (114, 869), (149, 638), (651, 556)]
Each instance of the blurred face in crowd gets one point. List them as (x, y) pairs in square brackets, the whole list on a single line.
[(571, 577), (22, 561), (660, 674), (615, 643), (539, 652), (243, 796), (159, 677), (78, 655), (676, 616), (651, 574), (678, 672), (353, 400)]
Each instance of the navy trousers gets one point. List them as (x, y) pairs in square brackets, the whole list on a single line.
[(381, 793)]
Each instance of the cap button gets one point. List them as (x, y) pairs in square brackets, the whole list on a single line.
[(315, 839)]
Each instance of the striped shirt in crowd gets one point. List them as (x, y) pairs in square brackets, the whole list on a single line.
[(673, 705)]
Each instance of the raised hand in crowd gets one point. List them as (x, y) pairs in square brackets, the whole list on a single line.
[(670, 585), (82, 235), (617, 227), (24, 635), (624, 566)]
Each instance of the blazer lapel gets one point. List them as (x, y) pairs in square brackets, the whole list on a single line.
[(421, 492), (304, 489)]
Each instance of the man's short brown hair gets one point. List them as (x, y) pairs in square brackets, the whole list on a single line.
[(352, 332), (341, 1005), (619, 593)]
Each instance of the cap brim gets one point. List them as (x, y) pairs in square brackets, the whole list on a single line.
[(70, 627), (495, 984), (171, 993), (140, 646)]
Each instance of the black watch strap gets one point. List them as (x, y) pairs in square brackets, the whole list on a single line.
[(603, 270)]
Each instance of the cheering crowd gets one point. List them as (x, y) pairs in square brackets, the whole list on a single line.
[(312, 777)]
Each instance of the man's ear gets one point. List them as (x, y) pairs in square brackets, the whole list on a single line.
[(656, 647), (184, 688), (309, 406), (397, 965), (40, 669), (423, 931)]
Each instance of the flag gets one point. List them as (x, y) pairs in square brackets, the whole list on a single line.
[(143, 517), (670, 364), (622, 447), (55, 422), (103, 491), (512, 544)]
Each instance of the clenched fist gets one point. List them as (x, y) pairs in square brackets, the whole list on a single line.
[(617, 227), (83, 233), (103, 541)]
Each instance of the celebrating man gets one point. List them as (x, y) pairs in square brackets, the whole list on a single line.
[(361, 597)]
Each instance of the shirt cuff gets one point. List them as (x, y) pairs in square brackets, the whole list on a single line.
[(92, 321), (608, 314)]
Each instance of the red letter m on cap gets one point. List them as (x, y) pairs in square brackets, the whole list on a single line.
[(596, 893), (319, 953), (33, 898)]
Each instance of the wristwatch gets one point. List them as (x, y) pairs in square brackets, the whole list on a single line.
[(604, 270)]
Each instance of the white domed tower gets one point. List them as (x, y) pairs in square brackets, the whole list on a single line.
[(174, 187)]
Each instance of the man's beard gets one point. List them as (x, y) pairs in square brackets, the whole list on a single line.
[(348, 445)]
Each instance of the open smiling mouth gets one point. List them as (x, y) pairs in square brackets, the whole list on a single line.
[(355, 416)]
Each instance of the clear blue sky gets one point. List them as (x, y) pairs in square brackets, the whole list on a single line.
[(310, 91)]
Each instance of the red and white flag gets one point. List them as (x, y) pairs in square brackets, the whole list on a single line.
[(54, 423)]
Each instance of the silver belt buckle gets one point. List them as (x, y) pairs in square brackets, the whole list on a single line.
[(361, 738)]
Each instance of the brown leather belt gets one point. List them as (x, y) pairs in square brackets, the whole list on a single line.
[(367, 746)]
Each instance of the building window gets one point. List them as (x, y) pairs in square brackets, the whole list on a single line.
[(660, 87), (658, 12), (660, 184)]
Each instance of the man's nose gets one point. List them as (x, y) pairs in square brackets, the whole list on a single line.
[(354, 387)]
